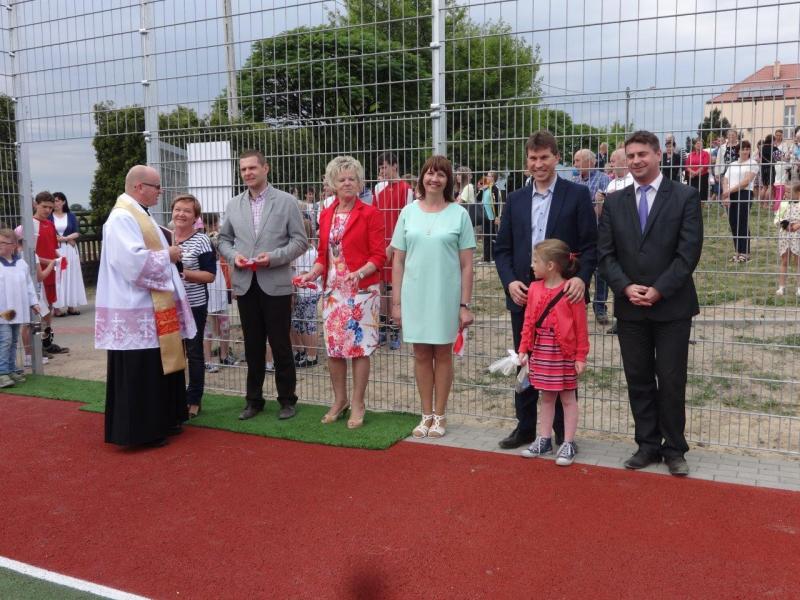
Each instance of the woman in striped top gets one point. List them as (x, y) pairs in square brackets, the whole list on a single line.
[(199, 267)]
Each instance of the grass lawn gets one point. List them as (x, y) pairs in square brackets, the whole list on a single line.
[(380, 430)]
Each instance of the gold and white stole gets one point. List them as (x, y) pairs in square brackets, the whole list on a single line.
[(168, 327)]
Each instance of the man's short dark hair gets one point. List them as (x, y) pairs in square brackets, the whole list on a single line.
[(541, 140), (43, 197), (388, 158), (644, 137), (779, 131), (250, 153)]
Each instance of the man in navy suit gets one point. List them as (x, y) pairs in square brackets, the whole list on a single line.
[(650, 239), (550, 207)]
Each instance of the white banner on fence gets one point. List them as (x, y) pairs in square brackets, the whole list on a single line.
[(210, 174)]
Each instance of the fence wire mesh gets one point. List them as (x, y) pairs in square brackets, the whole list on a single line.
[(101, 85)]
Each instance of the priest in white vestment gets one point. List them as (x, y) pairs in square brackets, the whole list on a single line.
[(137, 269)]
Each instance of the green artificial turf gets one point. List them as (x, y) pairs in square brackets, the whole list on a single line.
[(24, 587), (380, 430)]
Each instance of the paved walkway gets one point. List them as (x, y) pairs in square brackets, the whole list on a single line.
[(729, 466), (760, 469)]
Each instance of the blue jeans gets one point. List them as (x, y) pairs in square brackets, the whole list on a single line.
[(600, 295), (9, 334)]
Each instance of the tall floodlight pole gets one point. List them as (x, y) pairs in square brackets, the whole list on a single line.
[(627, 107), (150, 132), (230, 61), (438, 115)]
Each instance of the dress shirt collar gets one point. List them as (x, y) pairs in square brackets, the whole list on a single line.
[(258, 197), (654, 185), (550, 187)]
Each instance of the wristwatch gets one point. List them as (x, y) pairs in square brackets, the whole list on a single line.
[(465, 305)]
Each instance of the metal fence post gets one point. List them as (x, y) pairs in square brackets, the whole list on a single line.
[(24, 189), (438, 109)]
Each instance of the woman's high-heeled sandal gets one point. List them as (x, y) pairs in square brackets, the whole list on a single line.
[(437, 430), (329, 418), (421, 430)]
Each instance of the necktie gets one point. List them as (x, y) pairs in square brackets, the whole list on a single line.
[(643, 205)]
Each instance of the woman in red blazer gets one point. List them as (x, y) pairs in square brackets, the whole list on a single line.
[(352, 250)]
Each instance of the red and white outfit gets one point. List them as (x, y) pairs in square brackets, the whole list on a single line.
[(391, 200), (562, 339), (47, 247)]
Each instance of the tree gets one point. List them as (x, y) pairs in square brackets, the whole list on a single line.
[(713, 126), (119, 145), (366, 78), (9, 196)]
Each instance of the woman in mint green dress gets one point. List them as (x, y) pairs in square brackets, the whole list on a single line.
[(432, 285)]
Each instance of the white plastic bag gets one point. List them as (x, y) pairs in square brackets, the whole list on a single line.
[(506, 365), (523, 380)]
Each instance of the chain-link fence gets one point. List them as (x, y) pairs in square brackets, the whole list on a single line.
[(186, 86)]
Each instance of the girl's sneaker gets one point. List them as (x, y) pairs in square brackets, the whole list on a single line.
[(780, 291), (17, 377), (566, 454), (539, 447), (6, 381), (212, 368)]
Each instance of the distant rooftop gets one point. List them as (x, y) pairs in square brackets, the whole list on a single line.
[(774, 81)]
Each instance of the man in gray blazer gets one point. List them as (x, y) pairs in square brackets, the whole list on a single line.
[(262, 233)]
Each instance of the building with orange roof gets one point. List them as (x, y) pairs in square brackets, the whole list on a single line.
[(767, 100)]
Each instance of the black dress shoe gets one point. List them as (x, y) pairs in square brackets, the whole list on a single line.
[(641, 459), (677, 466), (287, 412), (515, 440), (249, 412)]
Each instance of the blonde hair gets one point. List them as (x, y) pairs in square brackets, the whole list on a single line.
[(198, 210), (340, 164)]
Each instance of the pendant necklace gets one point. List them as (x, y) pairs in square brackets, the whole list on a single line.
[(433, 222), (336, 240)]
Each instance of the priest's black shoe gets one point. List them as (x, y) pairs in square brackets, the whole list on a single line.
[(641, 459), (249, 412), (677, 466), (515, 440), (159, 443)]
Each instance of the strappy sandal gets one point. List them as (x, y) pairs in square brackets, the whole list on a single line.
[(437, 430), (332, 418), (421, 430)]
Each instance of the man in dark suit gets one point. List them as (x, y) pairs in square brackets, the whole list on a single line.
[(550, 207), (650, 239)]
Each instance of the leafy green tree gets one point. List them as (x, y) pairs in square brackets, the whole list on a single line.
[(713, 126), (119, 145), (9, 197)]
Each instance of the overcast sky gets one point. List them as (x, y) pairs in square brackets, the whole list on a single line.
[(673, 54)]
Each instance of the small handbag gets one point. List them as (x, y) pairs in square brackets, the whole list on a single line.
[(523, 381)]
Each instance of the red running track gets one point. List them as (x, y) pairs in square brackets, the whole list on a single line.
[(221, 515)]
